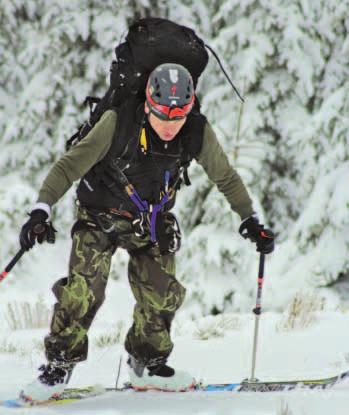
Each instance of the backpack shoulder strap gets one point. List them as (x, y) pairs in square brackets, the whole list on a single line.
[(194, 132), (128, 128)]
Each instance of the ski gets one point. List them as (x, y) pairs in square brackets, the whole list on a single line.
[(68, 396), (75, 394), (263, 386), (276, 386)]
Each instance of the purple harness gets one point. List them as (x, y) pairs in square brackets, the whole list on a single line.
[(152, 210)]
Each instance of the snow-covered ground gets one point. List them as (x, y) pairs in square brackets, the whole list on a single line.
[(214, 349), (290, 62)]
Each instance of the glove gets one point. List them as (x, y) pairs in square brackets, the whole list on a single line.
[(264, 238), (36, 228)]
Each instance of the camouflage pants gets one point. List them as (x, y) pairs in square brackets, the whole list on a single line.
[(152, 278)]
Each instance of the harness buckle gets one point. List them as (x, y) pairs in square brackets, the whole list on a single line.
[(140, 224), (175, 234)]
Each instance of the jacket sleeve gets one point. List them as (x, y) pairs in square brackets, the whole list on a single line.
[(76, 162), (215, 163)]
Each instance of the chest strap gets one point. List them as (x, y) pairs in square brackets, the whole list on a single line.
[(146, 210)]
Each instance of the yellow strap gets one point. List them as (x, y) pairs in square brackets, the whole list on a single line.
[(143, 140)]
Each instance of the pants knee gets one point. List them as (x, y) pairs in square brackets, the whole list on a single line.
[(173, 299), (180, 296), (75, 296)]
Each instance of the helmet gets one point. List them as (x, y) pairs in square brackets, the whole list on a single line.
[(170, 92)]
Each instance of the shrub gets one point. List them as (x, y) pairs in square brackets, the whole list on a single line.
[(25, 315), (301, 312)]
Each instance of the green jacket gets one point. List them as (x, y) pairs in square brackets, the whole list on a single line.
[(81, 158)]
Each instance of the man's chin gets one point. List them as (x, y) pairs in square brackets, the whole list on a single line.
[(167, 137)]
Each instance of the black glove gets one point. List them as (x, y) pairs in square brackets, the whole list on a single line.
[(36, 228), (253, 230)]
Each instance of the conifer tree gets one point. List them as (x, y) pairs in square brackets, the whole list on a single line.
[(290, 144), (288, 140)]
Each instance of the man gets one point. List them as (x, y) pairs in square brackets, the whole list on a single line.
[(128, 207)]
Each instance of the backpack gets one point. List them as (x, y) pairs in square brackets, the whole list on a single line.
[(150, 42)]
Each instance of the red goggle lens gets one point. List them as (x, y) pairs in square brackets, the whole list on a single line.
[(169, 113)]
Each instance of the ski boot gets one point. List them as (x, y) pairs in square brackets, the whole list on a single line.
[(156, 375), (49, 384)]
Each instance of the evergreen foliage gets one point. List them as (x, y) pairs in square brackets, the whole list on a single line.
[(289, 141)]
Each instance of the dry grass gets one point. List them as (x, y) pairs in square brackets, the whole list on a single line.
[(216, 326), (343, 307), (301, 312), (8, 347), (21, 348), (25, 315), (110, 339)]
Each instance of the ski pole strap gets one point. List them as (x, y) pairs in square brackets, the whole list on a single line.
[(258, 309), (12, 263)]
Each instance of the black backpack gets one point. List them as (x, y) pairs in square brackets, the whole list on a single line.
[(150, 42)]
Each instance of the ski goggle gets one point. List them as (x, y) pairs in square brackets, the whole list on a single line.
[(169, 113)]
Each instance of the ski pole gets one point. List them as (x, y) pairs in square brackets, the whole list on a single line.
[(13, 262), (118, 374), (257, 311)]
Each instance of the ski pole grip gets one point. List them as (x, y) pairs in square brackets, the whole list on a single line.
[(267, 234), (39, 229), (51, 237)]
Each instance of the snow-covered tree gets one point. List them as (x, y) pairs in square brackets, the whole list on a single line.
[(289, 140), (56, 53)]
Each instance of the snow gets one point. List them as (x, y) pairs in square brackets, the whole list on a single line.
[(319, 351), (213, 348), (290, 62)]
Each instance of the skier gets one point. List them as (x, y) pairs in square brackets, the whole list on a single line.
[(138, 220)]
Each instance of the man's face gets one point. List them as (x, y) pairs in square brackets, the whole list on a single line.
[(166, 130)]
